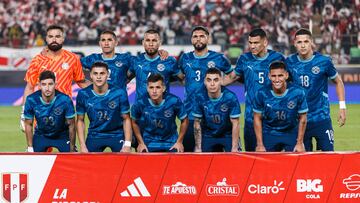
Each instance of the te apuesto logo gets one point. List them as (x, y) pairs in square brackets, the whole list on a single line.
[(179, 188)]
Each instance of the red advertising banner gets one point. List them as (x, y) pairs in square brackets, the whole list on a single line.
[(172, 177)]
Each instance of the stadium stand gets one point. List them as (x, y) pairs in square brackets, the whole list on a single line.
[(335, 24)]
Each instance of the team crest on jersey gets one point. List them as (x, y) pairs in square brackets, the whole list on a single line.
[(224, 108), (168, 113), (112, 105), (58, 111), (65, 66), (211, 64), (160, 67), (291, 105), (315, 70), (118, 64)]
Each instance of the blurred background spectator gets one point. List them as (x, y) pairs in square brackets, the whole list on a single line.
[(334, 23)]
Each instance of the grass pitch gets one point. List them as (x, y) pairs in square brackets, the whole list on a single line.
[(347, 138)]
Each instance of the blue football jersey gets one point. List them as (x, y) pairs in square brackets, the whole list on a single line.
[(280, 113), (254, 72), (194, 68), (50, 117), (216, 113), (158, 121), (143, 66), (104, 111), (313, 75), (118, 67)]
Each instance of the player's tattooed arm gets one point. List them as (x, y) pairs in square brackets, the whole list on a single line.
[(197, 134), (72, 133)]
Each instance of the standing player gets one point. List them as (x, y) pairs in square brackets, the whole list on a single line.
[(194, 65), (158, 112), (54, 112), (119, 64), (108, 109), (150, 62), (216, 113), (252, 68), (280, 113), (65, 64), (312, 70)]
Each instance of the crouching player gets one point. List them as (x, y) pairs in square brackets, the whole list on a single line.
[(108, 109), (158, 111), (280, 113), (54, 113), (216, 112)]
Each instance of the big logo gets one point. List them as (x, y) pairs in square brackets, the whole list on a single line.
[(14, 187)]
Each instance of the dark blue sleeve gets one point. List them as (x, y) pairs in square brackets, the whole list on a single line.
[(69, 108), (181, 112), (86, 62), (239, 69), (258, 105), (225, 64), (80, 104), (29, 109), (124, 103)]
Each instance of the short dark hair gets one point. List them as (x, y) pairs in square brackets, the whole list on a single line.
[(303, 31), (213, 71), (110, 32), (257, 32), (54, 27), (277, 65), (99, 64), (200, 28), (152, 31), (154, 77), (47, 75)]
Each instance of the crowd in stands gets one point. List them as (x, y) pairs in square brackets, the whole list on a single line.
[(335, 23)]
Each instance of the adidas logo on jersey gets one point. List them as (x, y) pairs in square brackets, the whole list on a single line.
[(136, 189)]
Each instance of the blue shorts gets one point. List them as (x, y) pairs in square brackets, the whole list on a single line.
[(189, 140), (322, 132), (42, 143), (276, 143), (249, 137), (99, 144), (216, 144)]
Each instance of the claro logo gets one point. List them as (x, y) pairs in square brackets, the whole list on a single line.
[(266, 189)]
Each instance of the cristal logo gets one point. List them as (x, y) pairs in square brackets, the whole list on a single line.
[(222, 189), (263, 189), (179, 188), (309, 185)]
